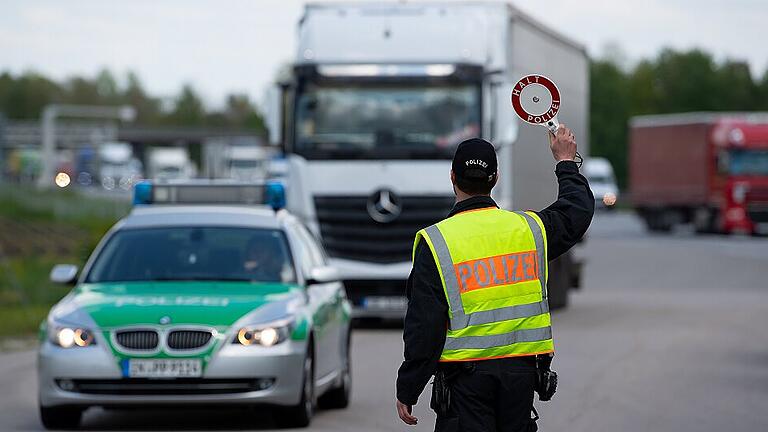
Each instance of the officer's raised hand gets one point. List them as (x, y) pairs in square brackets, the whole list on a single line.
[(563, 144)]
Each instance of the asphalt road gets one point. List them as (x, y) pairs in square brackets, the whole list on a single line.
[(669, 333)]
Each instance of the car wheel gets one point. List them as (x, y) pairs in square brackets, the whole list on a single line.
[(338, 397), (60, 417), (300, 415)]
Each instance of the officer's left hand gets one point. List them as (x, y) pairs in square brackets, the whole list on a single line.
[(404, 411)]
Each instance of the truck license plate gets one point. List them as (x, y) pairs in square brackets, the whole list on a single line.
[(164, 368), (385, 302)]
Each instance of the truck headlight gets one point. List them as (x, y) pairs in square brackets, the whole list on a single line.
[(264, 335), (739, 192), (609, 199), (68, 337)]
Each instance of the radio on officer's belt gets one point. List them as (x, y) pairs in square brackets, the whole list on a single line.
[(536, 100)]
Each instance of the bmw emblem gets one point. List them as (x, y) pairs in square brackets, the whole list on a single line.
[(165, 320)]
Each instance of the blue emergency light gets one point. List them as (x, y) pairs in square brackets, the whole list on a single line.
[(142, 193), (212, 192), (275, 192)]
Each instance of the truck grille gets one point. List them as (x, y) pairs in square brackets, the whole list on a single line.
[(137, 340), (188, 339), (758, 211), (358, 290), (349, 231)]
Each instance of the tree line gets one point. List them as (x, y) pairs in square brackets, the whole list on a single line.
[(23, 97), (673, 81)]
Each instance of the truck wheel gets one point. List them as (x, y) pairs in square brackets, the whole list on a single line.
[(706, 221), (657, 220), (300, 415), (338, 397), (60, 417), (558, 284)]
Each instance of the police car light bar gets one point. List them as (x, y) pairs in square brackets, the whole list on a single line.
[(270, 193)]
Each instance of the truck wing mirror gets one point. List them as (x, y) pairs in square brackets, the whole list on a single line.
[(273, 113)]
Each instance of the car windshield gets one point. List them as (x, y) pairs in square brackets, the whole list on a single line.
[(748, 162), (385, 122), (194, 253)]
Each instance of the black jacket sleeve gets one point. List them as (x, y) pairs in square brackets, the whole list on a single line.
[(424, 330), (568, 218)]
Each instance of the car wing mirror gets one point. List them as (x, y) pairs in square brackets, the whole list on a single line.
[(320, 275), (64, 274)]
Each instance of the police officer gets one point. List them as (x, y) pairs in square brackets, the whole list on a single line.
[(478, 316)]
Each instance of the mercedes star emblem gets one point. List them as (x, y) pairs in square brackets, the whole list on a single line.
[(384, 206)]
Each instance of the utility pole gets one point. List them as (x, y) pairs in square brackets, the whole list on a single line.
[(48, 130)]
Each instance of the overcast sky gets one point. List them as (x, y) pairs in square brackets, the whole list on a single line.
[(224, 46)]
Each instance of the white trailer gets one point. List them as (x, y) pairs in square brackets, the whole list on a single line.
[(380, 95)]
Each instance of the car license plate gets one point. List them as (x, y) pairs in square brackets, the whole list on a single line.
[(164, 368), (385, 302)]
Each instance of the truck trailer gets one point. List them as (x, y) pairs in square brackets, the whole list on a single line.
[(708, 169), (378, 98)]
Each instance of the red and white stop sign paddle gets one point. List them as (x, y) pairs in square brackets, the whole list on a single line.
[(536, 100)]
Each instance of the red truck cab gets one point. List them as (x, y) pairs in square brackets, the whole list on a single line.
[(708, 169), (740, 175)]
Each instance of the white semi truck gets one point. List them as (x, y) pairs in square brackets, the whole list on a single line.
[(170, 163), (117, 166), (379, 96), (238, 158)]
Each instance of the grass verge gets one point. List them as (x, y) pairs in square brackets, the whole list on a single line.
[(34, 225)]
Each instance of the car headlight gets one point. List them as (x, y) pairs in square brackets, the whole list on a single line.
[(609, 199), (265, 335), (68, 337)]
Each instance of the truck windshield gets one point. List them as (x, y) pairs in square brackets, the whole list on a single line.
[(385, 121), (244, 163), (748, 162), (194, 253)]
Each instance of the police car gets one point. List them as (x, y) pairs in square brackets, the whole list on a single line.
[(199, 296)]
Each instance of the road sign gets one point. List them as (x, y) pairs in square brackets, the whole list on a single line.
[(536, 100)]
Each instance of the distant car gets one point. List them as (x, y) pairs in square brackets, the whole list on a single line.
[(599, 172), (198, 303)]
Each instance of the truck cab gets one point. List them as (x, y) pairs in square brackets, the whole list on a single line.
[(373, 107), (740, 178)]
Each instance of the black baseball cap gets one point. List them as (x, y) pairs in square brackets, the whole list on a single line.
[(475, 161)]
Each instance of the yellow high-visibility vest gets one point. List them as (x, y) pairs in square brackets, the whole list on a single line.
[(493, 266)]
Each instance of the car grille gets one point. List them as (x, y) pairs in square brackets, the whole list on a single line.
[(188, 339), (349, 232), (178, 386), (137, 340)]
